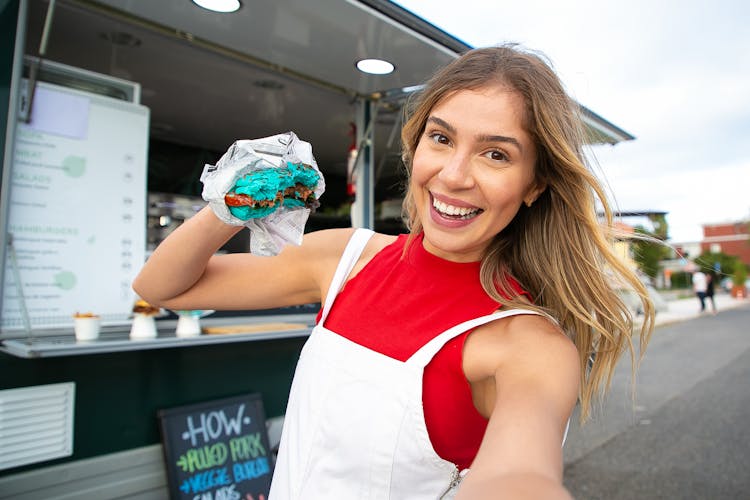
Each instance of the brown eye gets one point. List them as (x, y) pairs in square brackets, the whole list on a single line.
[(497, 156), (439, 138)]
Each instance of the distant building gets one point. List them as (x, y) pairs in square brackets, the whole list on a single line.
[(686, 249), (731, 238), (622, 246)]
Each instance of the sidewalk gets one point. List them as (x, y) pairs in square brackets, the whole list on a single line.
[(688, 308)]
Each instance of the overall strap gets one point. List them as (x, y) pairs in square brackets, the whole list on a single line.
[(351, 254), (424, 355)]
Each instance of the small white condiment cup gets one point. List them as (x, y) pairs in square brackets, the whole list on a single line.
[(86, 327), (188, 325), (144, 327)]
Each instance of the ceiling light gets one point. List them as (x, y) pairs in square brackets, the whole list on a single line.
[(219, 5), (375, 66)]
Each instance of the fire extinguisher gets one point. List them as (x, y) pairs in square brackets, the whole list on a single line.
[(351, 162)]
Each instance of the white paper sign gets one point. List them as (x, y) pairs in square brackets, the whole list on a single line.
[(60, 113), (77, 210)]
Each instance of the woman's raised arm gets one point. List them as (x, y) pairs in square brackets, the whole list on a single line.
[(184, 272)]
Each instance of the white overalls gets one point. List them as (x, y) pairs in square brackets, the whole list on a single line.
[(354, 426)]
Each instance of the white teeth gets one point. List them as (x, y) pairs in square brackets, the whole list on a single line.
[(446, 209)]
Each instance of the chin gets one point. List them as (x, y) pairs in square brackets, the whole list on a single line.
[(452, 245)]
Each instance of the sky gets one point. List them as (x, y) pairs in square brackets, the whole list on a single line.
[(675, 74)]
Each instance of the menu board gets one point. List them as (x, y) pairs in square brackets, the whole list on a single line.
[(217, 450), (77, 209)]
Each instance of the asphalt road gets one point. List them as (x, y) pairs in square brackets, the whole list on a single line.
[(687, 436)]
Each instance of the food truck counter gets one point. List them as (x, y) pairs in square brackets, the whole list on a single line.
[(117, 338)]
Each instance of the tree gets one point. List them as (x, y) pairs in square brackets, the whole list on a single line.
[(740, 273), (660, 225), (707, 262), (648, 252)]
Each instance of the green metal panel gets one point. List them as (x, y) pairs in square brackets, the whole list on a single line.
[(119, 394), (8, 21)]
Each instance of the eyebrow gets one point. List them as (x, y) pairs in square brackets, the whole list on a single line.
[(481, 137)]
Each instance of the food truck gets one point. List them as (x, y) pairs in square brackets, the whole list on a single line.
[(111, 110)]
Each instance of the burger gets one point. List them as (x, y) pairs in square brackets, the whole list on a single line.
[(261, 192)]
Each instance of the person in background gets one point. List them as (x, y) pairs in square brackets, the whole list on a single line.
[(446, 361), (699, 287), (710, 284)]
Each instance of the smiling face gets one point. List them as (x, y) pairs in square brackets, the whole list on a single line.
[(471, 171)]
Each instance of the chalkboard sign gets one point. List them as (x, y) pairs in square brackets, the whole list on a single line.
[(217, 450)]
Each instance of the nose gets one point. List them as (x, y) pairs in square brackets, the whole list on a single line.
[(456, 172)]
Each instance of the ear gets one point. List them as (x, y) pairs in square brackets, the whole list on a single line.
[(536, 189)]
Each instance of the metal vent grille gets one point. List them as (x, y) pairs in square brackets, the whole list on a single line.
[(36, 424)]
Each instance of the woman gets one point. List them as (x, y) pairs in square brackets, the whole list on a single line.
[(462, 345)]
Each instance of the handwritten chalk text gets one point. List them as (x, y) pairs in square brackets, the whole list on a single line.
[(214, 424)]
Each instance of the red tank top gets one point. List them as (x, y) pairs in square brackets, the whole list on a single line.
[(394, 306)]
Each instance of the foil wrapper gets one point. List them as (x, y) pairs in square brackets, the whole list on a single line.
[(285, 223)]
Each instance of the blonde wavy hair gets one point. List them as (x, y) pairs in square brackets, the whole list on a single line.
[(558, 249)]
